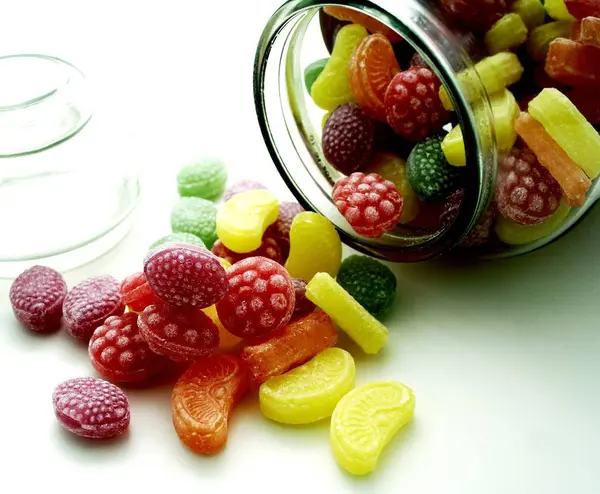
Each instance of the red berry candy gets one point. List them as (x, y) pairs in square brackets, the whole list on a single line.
[(269, 249), (480, 234), (182, 334), (91, 408), (369, 203), (136, 292), (478, 15), (526, 193), (302, 306), (242, 186), (37, 297), (348, 138), (413, 106), (119, 353), (583, 8), (280, 230), (185, 275), (260, 300), (90, 303)]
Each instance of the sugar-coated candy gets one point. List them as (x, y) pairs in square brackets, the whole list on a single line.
[(531, 11), (558, 10), (332, 87), (260, 300), (185, 275), (227, 341), (572, 63), (587, 31), (583, 8), (309, 393), (196, 216), (280, 230), (370, 23), (312, 72), (478, 15), (182, 334), (315, 247), (91, 408), (242, 186), (203, 399), (243, 219), (269, 248), (179, 237), (365, 421), (37, 296), (205, 178), (302, 306), (347, 313), (480, 234), (136, 293), (540, 38), (506, 34), (89, 303)]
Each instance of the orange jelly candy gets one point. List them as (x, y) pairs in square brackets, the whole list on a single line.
[(202, 401), (587, 31), (572, 179), (372, 25), (298, 342), (572, 63)]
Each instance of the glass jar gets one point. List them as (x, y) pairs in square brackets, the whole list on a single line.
[(68, 185), (298, 34)]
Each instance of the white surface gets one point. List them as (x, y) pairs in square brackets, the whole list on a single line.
[(503, 357)]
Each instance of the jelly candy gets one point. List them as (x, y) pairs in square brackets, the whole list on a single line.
[(572, 63), (368, 22), (506, 34), (541, 37), (478, 235), (366, 420), (302, 306), (453, 147), (185, 275), (312, 72), (298, 342), (531, 11), (182, 334), (243, 219), (572, 179), (227, 341), (347, 313), (324, 120), (309, 393), (369, 203), (558, 10), (242, 186), (569, 128), (260, 300), (205, 178), (583, 8), (269, 249), (89, 303), (587, 101), (587, 31), (315, 247), (203, 399), (369, 282), (180, 238), (136, 293), (196, 216), (372, 67), (348, 138), (280, 230), (332, 87), (37, 296), (478, 15), (91, 408)]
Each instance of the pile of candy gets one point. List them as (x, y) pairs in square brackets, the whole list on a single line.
[(261, 313), (389, 125)]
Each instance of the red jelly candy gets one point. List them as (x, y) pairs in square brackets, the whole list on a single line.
[(242, 186), (37, 297), (260, 299), (280, 230), (203, 399), (587, 31), (90, 303), (185, 275), (583, 8), (136, 292), (182, 334), (269, 248), (572, 63), (587, 101), (478, 15), (91, 408), (302, 306)]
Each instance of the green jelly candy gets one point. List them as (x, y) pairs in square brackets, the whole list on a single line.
[(313, 71), (205, 178), (370, 282), (196, 216), (179, 237)]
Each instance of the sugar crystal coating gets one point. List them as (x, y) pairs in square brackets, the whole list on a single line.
[(205, 178), (136, 292), (269, 248), (302, 306), (179, 237), (242, 186), (196, 216), (280, 230)]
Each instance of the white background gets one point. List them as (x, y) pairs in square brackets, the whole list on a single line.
[(504, 357)]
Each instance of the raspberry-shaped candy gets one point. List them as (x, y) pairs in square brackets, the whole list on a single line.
[(260, 300), (269, 248), (185, 275), (90, 303), (478, 15), (92, 408), (302, 306), (119, 353), (348, 138), (182, 334), (369, 203), (136, 293), (242, 186), (526, 193), (480, 234), (37, 297), (205, 178), (280, 230), (196, 216)]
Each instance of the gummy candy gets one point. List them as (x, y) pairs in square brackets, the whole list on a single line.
[(37, 296), (302, 306), (478, 15), (312, 72), (368, 22), (315, 246), (203, 399), (371, 283), (205, 178), (531, 11), (91, 408), (298, 342), (541, 37), (587, 101), (227, 341), (260, 300), (583, 8), (269, 249), (572, 63), (587, 31), (185, 275), (506, 34), (243, 219), (89, 303), (478, 235), (347, 313), (136, 293), (332, 87), (180, 238), (558, 10), (366, 420), (309, 393), (242, 186), (196, 216), (280, 230)]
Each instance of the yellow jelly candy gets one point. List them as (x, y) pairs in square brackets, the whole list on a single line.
[(332, 87), (347, 313), (324, 121), (365, 421), (315, 247), (558, 10), (310, 392), (453, 147), (507, 33), (243, 219), (531, 11)]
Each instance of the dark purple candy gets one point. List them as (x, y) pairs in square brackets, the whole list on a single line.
[(242, 186), (303, 306), (280, 230), (480, 234)]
